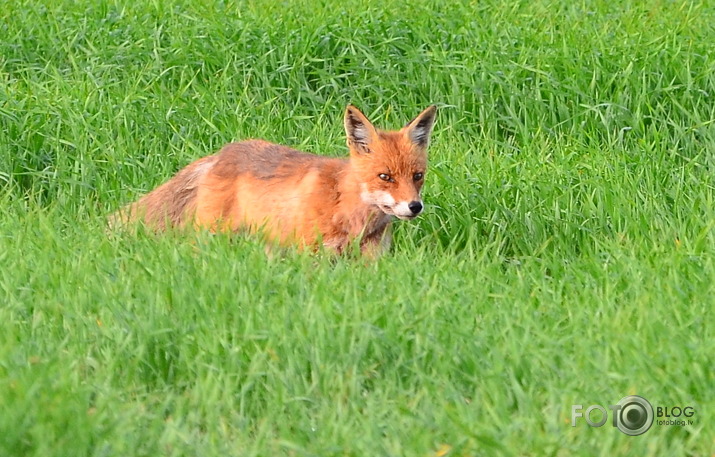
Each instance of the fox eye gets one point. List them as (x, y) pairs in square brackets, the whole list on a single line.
[(418, 176), (385, 177)]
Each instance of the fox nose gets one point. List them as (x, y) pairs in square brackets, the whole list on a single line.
[(415, 207)]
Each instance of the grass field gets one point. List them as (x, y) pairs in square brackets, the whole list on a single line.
[(566, 255)]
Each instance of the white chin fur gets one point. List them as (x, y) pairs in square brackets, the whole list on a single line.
[(378, 197), (400, 215)]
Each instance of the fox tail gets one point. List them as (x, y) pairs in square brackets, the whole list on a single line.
[(169, 205)]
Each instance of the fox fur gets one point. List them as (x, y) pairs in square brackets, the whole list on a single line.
[(293, 197)]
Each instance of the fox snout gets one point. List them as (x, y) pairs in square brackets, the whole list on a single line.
[(415, 207), (407, 210), (402, 209)]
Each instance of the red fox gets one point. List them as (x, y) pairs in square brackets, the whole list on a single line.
[(294, 197)]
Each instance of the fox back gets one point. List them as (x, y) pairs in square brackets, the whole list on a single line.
[(293, 197)]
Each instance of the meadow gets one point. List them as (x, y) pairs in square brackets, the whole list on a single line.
[(565, 255)]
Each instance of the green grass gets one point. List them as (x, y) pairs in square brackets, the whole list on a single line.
[(566, 256)]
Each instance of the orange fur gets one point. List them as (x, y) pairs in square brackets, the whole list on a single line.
[(299, 198)]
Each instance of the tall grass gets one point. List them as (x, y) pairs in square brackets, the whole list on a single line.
[(565, 257)]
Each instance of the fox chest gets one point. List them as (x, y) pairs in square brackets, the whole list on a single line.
[(370, 232)]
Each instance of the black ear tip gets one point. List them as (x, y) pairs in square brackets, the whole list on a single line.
[(352, 113), (427, 117)]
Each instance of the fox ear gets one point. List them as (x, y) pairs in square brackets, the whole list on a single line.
[(360, 132), (419, 129)]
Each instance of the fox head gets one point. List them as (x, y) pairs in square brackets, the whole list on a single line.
[(390, 166)]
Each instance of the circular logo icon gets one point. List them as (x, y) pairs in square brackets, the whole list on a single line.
[(635, 416)]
